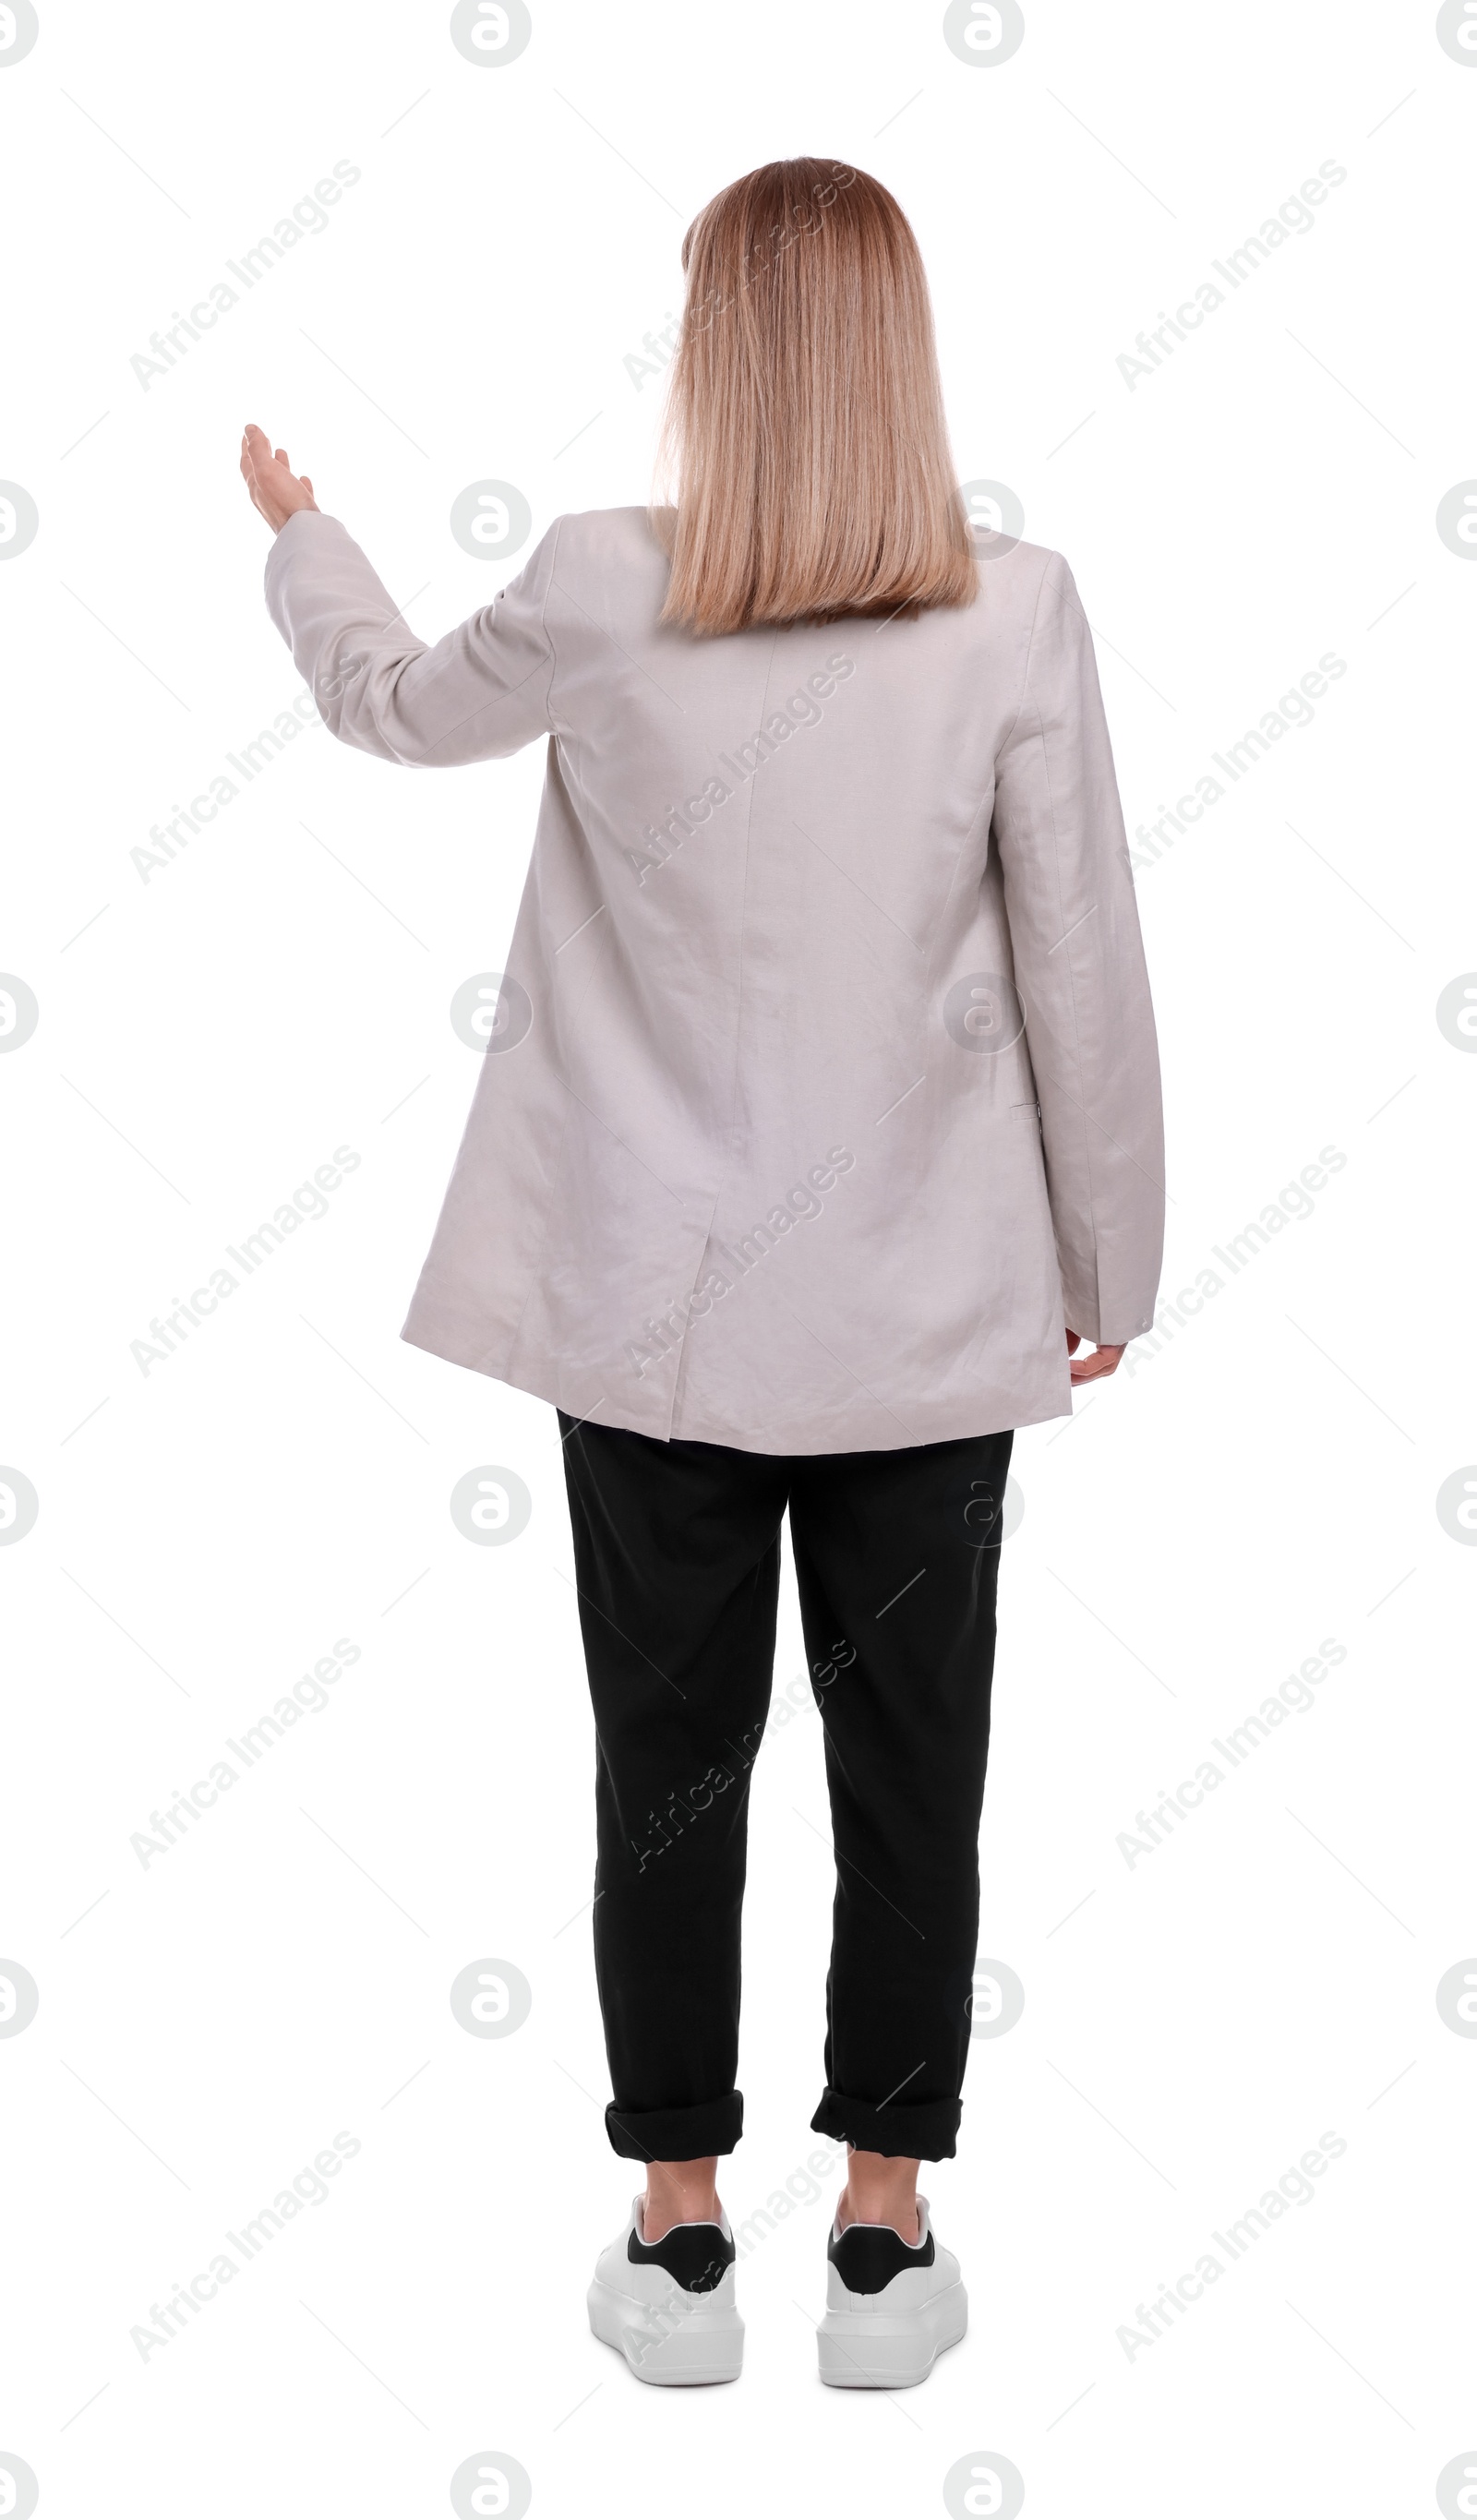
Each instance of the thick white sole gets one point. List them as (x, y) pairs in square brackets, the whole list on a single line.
[(682, 2351), (882, 2349)]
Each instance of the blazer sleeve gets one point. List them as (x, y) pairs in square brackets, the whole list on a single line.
[(1081, 977), (481, 691)]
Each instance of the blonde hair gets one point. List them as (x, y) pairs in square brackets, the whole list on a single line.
[(804, 435)]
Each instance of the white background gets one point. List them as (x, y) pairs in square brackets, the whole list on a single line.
[(208, 1037)]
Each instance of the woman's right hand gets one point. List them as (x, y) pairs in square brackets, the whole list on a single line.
[(1093, 1367), (276, 491)]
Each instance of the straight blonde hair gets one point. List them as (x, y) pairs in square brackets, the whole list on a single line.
[(803, 442)]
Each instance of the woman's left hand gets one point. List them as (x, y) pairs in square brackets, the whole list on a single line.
[(276, 490), (1091, 1368)]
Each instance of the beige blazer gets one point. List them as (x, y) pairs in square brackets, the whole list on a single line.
[(821, 1089)]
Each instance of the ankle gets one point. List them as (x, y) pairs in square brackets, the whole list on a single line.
[(882, 2189), (679, 2192), (904, 2219)]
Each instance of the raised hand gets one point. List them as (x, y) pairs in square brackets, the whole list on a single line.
[(277, 492)]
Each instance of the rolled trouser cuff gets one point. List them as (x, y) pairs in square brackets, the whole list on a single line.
[(916, 2130), (676, 2134)]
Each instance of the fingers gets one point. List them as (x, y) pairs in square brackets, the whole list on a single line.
[(248, 475), (274, 497), (1095, 1365), (257, 451), (259, 447)]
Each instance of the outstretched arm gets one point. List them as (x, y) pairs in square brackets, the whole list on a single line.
[(482, 691)]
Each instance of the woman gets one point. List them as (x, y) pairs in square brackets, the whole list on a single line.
[(820, 1125)]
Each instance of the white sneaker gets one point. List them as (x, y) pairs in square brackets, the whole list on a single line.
[(669, 2305), (890, 2308)]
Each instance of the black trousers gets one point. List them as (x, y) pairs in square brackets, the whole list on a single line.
[(677, 1560)]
